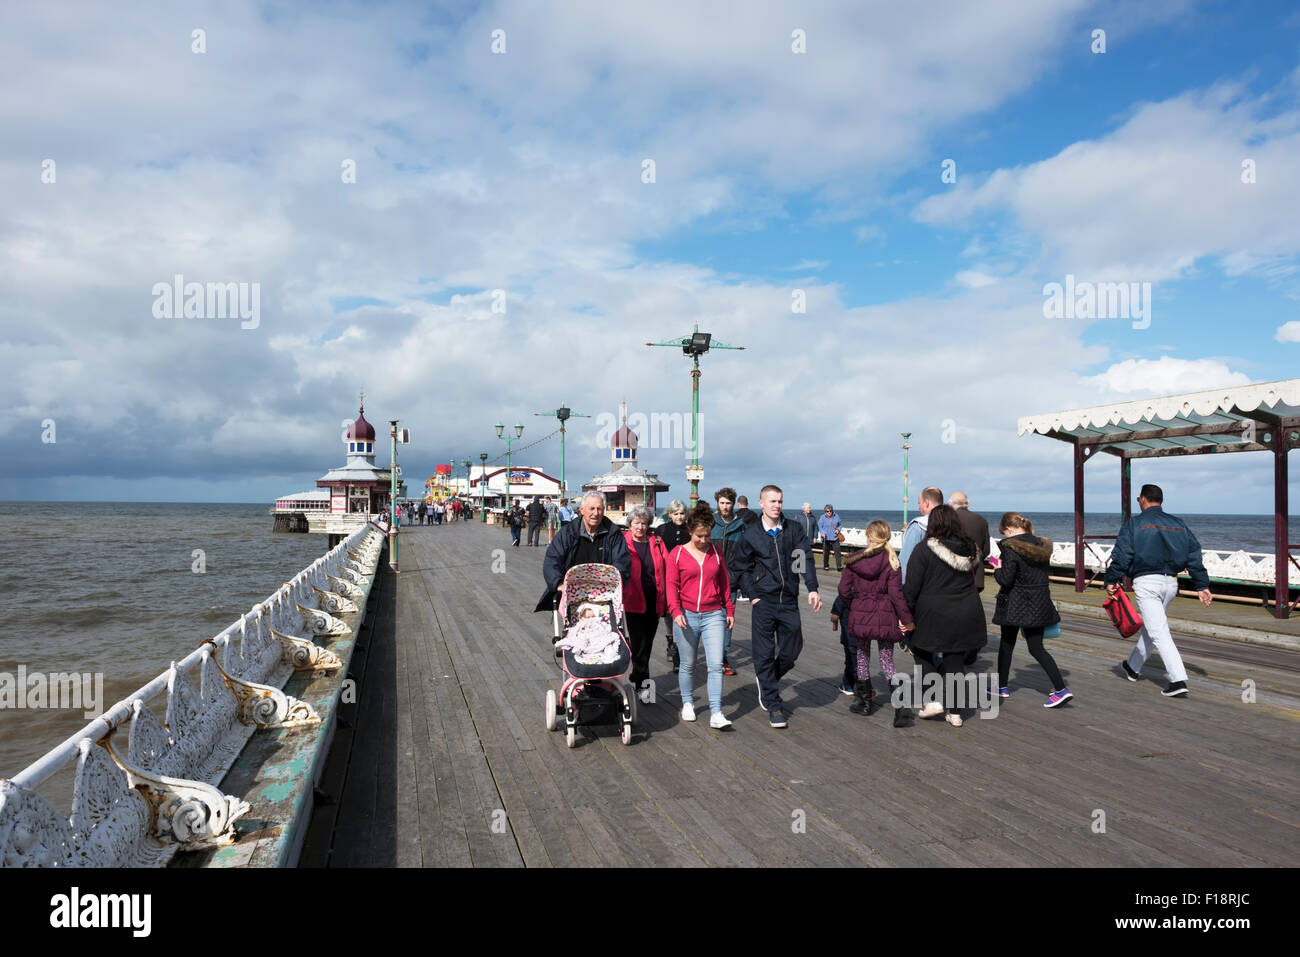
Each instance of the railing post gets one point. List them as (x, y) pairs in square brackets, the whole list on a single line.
[(1281, 519), (1079, 584)]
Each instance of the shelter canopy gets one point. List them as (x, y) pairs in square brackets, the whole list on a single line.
[(1222, 420)]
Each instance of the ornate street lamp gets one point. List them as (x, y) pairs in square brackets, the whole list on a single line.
[(482, 488)]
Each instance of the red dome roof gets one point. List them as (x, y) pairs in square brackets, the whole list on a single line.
[(361, 430), (624, 438)]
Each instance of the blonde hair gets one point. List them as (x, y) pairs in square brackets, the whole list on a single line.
[(878, 533)]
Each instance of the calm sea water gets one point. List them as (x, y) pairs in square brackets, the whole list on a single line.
[(109, 587)]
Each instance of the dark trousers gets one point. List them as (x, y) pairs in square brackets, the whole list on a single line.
[(952, 663), (850, 657), (534, 533), (514, 534), (827, 545), (1033, 638), (672, 642), (641, 628), (776, 640)]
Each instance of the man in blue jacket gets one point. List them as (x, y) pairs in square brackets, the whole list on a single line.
[(1152, 548), (771, 556)]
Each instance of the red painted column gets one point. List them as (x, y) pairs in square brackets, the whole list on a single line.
[(1281, 518), (1125, 490), (1078, 518)]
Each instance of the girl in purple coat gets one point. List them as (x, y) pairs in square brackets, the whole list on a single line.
[(872, 588)]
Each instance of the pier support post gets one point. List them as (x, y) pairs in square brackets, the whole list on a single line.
[(1078, 517), (1281, 519), (1125, 489)]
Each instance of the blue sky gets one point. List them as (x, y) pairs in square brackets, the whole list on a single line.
[(498, 251)]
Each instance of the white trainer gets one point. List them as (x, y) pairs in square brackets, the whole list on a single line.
[(646, 695), (932, 710), (719, 720), (688, 712)]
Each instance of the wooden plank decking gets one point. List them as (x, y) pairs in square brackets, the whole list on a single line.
[(449, 762)]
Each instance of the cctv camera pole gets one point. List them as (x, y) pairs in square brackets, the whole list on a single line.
[(563, 413), (695, 345), (906, 493)]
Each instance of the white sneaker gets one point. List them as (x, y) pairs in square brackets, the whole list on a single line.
[(719, 720), (688, 712), (646, 695)]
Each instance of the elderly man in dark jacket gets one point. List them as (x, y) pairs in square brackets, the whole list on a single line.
[(591, 538), (977, 530)]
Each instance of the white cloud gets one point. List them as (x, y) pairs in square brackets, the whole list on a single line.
[(974, 279), (1288, 332), (1159, 193), (1149, 378)]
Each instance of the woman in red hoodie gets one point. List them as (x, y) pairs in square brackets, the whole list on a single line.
[(644, 598), (699, 599)]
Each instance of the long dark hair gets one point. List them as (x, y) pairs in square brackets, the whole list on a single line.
[(944, 523)]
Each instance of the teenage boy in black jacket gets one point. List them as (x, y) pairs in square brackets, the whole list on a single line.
[(771, 556)]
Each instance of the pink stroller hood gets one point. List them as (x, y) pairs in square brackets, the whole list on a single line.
[(594, 583)]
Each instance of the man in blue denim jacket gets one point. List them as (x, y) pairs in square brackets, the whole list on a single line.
[(1152, 548)]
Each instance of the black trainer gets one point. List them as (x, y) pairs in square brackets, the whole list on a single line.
[(1176, 689), (1129, 673)]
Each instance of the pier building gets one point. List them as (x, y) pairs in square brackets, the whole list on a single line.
[(345, 497), (625, 485)]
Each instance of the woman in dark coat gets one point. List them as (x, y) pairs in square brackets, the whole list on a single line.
[(1025, 602), (940, 590), (872, 590), (673, 532)]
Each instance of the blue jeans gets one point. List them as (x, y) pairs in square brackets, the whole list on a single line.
[(711, 627)]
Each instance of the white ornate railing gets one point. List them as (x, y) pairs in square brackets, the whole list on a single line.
[(137, 804)]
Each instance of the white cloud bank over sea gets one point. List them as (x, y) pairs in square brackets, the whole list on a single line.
[(523, 172)]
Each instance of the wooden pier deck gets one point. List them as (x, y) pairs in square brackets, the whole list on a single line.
[(447, 761)]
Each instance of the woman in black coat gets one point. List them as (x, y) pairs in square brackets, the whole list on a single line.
[(674, 532), (1025, 602), (946, 608)]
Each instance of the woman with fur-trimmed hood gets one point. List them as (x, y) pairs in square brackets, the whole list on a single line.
[(1025, 602), (940, 590), (872, 589)]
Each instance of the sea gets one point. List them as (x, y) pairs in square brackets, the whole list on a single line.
[(123, 589)]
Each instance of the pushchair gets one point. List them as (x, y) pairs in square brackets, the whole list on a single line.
[(591, 646)]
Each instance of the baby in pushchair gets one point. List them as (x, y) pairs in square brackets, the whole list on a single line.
[(593, 653)]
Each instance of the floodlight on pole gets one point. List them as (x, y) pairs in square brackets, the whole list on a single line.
[(695, 345), (563, 413)]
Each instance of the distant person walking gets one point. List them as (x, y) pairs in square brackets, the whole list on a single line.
[(423, 513), (515, 519), (747, 515), (674, 532), (1152, 548), (949, 618), (567, 512), (808, 522), (552, 519), (914, 534), (830, 526), (536, 518), (1024, 602), (769, 568), (645, 595), (872, 592), (699, 599)]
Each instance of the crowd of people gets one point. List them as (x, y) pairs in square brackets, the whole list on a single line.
[(693, 569), (436, 512)]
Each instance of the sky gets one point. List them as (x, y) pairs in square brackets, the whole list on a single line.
[(479, 212)]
